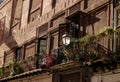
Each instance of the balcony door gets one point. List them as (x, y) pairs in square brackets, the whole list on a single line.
[(42, 46)]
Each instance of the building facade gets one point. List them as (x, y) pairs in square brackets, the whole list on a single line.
[(31, 31)]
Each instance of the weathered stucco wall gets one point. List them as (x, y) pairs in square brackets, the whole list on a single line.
[(5, 11)]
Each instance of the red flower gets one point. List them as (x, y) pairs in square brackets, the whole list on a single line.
[(47, 61)]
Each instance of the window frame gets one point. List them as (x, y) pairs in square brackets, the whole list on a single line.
[(31, 11), (39, 55), (39, 43)]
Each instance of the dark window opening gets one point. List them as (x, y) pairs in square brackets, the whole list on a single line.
[(71, 28), (74, 30), (18, 55), (63, 28), (74, 25), (42, 46)]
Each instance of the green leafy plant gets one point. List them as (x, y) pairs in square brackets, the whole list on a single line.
[(107, 32), (1, 71), (14, 68), (88, 51), (12, 71)]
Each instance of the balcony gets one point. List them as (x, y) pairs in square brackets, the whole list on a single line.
[(17, 68), (85, 51)]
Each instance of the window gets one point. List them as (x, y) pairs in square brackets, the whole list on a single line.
[(16, 13), (63, 28), (19, 54), (56, 37), (30, 49), (47, 6), (42, 29), (71, 28), (35, 9), (42, 45)]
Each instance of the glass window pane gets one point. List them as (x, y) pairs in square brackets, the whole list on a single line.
[(18, 56), (42, 46)]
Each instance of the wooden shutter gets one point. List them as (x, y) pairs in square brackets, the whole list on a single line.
[(30, 50), (8, 57)]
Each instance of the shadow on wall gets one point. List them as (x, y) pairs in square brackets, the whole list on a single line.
[(86, 21), (6, 35), (90, 20)]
